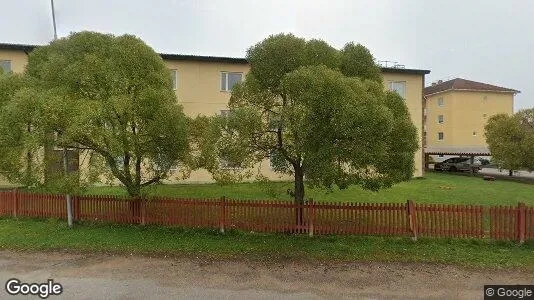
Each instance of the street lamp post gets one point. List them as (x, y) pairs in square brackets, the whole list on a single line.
[(53, 19), (65, 150)]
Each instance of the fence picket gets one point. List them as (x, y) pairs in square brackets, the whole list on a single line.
[(433, 220)]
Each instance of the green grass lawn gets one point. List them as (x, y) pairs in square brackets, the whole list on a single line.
[(434, 188), (26, 234)]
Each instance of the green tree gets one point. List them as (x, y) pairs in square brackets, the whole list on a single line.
[(511, 139), (112, 99), (357, 61), (18, 139), (314, 122)]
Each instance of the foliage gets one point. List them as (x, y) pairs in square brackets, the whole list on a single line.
[(111, 98), (316, 114), (357, 61), (436, 187), (511, 139), (18, 137)]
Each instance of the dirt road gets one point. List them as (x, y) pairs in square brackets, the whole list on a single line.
[(102, 276)]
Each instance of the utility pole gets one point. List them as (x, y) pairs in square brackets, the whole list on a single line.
[(65, 150)]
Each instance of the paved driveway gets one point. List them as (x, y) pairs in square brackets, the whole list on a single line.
[(503, 172)]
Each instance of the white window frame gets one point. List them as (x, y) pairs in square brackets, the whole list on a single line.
[(174, 75), (10, 65), (225, 165), (441, 120), (442, 136), (441, 102), (404, 91), (225, 112), (225, 74)]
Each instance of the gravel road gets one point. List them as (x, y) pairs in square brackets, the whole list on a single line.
[(107, 276)]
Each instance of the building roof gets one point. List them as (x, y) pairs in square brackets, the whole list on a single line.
[(404, 71), (480, 151), (235, 60), (460, 84), (26, 48)]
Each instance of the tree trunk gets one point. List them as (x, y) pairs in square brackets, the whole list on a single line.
[(134, 192), (299, 194)]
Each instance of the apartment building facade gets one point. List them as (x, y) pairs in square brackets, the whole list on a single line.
[(203, 87), (457, 111)]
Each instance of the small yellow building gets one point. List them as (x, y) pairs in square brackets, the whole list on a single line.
[(456, 112), (203, 85)]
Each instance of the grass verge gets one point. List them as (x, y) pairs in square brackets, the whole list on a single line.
[(436, 187), (31, 234)]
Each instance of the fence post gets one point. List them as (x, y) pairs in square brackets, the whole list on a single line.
[(143, 211), (521, 214), (77, 208), (311, 217), (15, 202), (412, 219), (222, 214)]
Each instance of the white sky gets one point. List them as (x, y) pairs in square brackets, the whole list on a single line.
[(487, 41)]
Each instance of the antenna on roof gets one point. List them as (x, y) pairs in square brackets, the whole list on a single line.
[(390, 64)]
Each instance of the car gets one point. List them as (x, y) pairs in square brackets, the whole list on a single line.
[(455, 164)]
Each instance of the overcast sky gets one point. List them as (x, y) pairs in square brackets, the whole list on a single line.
[(487, 41)]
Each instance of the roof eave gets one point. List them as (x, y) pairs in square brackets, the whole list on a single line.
[(405, 71), (474, 90), (234, 60)]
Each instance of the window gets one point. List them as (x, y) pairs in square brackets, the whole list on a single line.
[(5, 65), (225, 113), (441, 102), (174, 76), (441, 155), (440, 136), (399, 87), (229, 79), (227, 164), (484, 115), (440, 119), (474, 133), (119, 162)]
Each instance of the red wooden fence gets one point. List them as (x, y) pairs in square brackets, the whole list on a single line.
[(439, 220), (399, 219)]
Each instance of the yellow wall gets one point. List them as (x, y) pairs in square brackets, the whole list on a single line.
[(199, 93), (414, 97), (18, 59), (464, 112), (198, 90), (199, 82), (18, 63)]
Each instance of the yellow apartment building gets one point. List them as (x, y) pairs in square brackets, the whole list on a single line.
[(203, 85), (457, 111)]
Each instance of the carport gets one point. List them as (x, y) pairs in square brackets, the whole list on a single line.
[(458, 151)]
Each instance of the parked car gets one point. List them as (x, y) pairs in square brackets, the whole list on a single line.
[(455, 164)]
